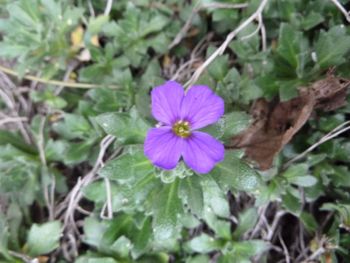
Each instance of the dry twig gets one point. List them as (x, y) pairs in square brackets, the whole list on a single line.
[(332, 134), (71, 201), (227, 41), (185, 69), (272, 229), (198, 7), (56, 82), (91, 8), (12, 119), (70, 68), (108, 7), (342, 9), (108, 204), (285, 249), (8, 92)]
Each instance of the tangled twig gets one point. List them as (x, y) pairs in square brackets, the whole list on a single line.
[(75, 195), (195, 10), (71, 203), (332, 134), (14, 102), (12, 119), (227, 41)]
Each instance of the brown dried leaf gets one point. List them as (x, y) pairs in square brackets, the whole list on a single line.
[(275, 123)]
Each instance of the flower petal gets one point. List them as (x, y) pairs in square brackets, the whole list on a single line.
[(163, 147), (201, 107), (201, 152), (166, 102)]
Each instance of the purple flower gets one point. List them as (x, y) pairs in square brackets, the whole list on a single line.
[(180, 116)]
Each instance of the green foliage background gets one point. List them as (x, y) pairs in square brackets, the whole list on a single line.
[(166, 216)]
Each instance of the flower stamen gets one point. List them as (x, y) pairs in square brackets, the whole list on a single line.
[(182, 129)]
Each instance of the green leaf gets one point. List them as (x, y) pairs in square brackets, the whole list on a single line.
[(11, 51), (93, 231), (235, 122), (219, 67), (128, 128), (229, 125), (288, 44), (73, 126), (246, 48), (120, 225), (214, 197), (191, 193), (246, 221), (204, 244), (215, 206), (167, 210), (304, 181), (288, 89), (7, 137), (340, 177), (92, 259), (96, 192), (157, 23), (342, 209), (189, 220), (292, 203), (77, 152), (249, 90), (328, 123), (4, 236), (15, 221), (242, 251), (309, 222), (23, 15), (222, 228), (223, 19), (127, 167), (49, 98), (293, 49), (332, 46), (96, 23), (270, 192), (296, 170), (122, 246), (51, 7), (142, 238), (198, 259), (44, 238), (56, 150), (128, 196), (77, 123), (233, 173), (107, 100), (311, 20)]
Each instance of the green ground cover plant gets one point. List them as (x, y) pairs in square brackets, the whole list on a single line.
[(77, 80)]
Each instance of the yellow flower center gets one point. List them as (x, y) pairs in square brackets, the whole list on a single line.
[(182, 129)]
